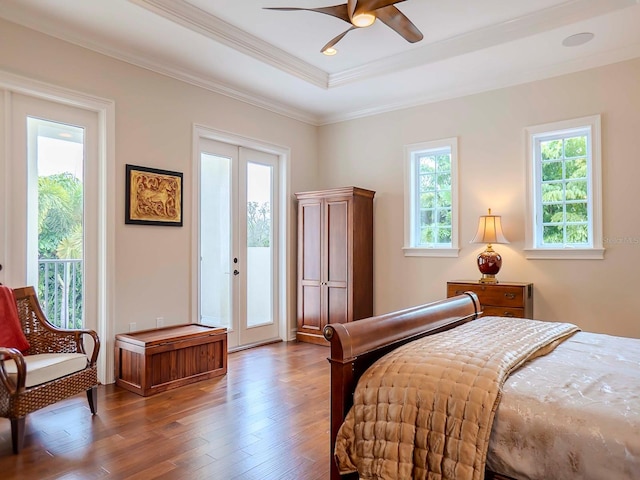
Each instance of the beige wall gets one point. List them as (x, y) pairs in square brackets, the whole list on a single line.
[(598, 295), (154, 117)]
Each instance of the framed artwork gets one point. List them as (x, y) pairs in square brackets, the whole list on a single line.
[(153, 197)]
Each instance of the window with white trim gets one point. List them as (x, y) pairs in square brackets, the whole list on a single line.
[(564, 183), (431, 198)]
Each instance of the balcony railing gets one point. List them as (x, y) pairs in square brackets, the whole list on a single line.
[(60, 291)]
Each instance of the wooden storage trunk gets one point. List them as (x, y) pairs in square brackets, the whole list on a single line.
[(152, 361)]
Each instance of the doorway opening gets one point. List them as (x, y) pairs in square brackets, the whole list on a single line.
[(241, 261), (57, 152)]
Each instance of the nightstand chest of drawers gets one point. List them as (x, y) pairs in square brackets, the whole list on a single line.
[(499, 299)]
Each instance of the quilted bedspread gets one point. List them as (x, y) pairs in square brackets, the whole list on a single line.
[(425, 410)]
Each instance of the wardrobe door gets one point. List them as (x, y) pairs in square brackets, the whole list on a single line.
[(310, 267), (337, 261)]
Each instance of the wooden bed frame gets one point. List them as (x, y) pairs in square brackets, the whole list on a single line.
[(357, 345)]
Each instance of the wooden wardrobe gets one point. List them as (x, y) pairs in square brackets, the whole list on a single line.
[(335, 259)]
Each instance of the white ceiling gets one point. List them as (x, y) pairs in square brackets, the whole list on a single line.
[(272, 58)]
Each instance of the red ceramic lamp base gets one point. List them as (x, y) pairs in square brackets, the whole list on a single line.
[(489, 263)]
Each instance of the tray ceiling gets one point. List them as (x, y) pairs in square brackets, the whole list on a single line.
[(272, 58)]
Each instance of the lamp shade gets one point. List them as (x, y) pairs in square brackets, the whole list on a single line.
[(489, 230)]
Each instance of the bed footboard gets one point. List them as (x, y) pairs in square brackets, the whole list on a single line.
[(357, 345)]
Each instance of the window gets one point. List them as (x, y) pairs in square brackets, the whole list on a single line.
[(431, 199), (565, 211)]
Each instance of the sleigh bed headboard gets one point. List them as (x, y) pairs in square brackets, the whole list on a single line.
[(357, 345)]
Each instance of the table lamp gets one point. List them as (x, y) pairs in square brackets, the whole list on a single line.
[(489, 261)]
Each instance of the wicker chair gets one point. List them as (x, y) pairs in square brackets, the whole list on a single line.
[(16, 399)]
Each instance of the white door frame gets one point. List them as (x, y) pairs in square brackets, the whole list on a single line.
[(286, 260), (105, 109)]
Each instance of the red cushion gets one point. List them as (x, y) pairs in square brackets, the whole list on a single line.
[(11, 334)]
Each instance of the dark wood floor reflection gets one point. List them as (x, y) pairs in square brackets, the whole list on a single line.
[(268, 418)]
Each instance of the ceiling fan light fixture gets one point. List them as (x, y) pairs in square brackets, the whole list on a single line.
[(329, 52), (364, 13), (362, 20)]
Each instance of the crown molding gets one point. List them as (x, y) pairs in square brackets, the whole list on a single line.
[(575, 66), (195, 19), (570, 11), (550, 18), (225, 89), (207, 83), (437, 51)]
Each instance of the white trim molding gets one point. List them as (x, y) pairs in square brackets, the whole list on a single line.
[(286, 304), (431, 252), (564, 254), (105, 110), (436, 250), (594, 250)]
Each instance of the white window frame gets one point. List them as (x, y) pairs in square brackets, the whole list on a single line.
[(411, 153), (594, 249)]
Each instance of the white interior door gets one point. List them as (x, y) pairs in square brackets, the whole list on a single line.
[(54, 159), (238, 242)]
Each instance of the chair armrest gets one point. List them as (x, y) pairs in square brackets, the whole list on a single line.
[(78, 335), (96, 344), (21, 367), (46, 337)]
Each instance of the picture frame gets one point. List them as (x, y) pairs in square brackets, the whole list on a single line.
[(153, 197)]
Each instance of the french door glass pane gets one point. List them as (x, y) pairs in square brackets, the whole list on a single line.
[(259, 245), (58, 150), (215, 240)]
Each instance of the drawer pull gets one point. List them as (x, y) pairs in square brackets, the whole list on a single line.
[(510, 296), (459, 292), (508, 314)]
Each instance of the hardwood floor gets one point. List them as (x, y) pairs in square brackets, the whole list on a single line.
[(268, 418)]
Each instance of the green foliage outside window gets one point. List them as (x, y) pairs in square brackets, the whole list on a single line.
[(258, 224), (564, 191), (60, 239), (59, 216), (434, 183)]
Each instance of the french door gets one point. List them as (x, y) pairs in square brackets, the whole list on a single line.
[(52, 226), (238, 242)]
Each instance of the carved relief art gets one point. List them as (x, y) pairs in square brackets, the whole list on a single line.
[(154, 197)]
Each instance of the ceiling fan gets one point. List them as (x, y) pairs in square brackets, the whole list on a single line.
[(363, 13)]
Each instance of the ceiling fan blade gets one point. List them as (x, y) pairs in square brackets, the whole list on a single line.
[(396, 20), (335, 40), (371, 5), (338, 11), (351, 8)]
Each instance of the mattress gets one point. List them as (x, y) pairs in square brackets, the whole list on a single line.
[(572, 414)]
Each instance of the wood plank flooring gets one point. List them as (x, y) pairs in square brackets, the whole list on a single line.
[(268, 418)]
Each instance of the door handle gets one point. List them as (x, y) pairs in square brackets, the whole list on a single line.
[(236, 272)]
